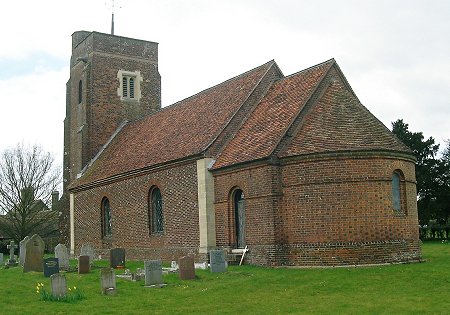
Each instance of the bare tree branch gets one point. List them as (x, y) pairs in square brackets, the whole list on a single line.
[(27, 179)]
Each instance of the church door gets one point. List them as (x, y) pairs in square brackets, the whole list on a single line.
[(239, 217)]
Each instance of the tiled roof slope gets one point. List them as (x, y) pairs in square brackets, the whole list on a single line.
[(178, 131), (339, 122), (263, 130)]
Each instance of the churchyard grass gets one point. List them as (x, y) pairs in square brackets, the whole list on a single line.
[(421, 288)]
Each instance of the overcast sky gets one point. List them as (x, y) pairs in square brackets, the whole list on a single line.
[(395, 54)]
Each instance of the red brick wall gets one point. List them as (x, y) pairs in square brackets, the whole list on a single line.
[(129, 209), (339, 211), (333, 211), (261, 190)]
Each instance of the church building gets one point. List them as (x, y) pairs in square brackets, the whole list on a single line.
[(293, 167)]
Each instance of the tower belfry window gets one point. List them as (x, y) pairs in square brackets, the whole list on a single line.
[(129, 88), (131, 83), (124, 87)]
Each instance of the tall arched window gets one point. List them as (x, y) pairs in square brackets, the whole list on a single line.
[(239, 217), (398, 192), (106, 218), (80, 92), (155, 207)]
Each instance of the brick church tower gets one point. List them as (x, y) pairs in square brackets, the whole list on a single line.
[(113, 79)]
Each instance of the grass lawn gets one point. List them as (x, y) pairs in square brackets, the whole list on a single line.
[(395, 289)]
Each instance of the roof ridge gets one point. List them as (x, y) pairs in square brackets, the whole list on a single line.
[(280, 146), (272, 62), (183, 101), (332, 60)]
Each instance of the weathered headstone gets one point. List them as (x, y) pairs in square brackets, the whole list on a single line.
[(84, 265), (59, 284), (22, 250), (34, 254), (117, 258), (108, 281), (12, 259), (217, 261), (51, 266), (88, 250), (153, 272), (1, 259), (186, 268), (63, 256)]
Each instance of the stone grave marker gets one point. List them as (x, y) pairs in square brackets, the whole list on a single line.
[(88, 250), (12, 259), (117, 258), (58, 284), (153, 273), (1, 259), (51, 266), (217, 261), (84, 265), (63, 256), (34, 254), (108, 281), (22, 250), (186, 268)]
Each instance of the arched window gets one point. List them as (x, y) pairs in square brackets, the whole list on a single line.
[(80, 92), (106, 218), (239, 217), (155, 207), (398, 192)]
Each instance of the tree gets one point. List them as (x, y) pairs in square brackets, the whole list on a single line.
[(27, 180), (432, 174)]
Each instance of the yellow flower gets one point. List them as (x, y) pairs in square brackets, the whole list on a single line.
[(69, 289), (74, 288), (37, 288), (37, 291), (42, 284)]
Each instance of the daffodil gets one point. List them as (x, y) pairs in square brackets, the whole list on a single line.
[(74, 288)]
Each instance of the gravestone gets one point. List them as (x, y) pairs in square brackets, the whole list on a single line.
[(22, 250), (58, 284), (63, 256), (84, 265), (34, 254), (12, 259), (1, 259), (117, 258), (51, 266), (108, 281), (217, 261), (153, 273), (88, 250), (186, 268)]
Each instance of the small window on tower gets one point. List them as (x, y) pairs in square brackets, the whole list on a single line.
[(80, 92), (129, 88), (124, 87)]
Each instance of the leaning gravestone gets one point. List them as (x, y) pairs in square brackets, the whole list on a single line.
[(108, 281), (63, 256), (51, 266), (34, 254), (84, 265), (88, 250), (117, 258), (186, 268), (153, 273), (22, 250), (217, 261), (58, 284)]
